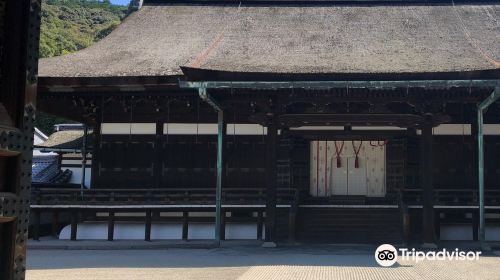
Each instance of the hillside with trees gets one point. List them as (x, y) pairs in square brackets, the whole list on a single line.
[(71, 25)]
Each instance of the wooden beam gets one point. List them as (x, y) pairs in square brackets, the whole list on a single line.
[(364, 135)]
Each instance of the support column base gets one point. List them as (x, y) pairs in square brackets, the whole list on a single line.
[(269, 245)]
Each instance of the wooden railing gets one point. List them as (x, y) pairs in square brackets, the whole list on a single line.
[(243, 196), (166, 196), (464, 197)]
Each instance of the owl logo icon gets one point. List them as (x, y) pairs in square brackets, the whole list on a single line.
[(386, 255)]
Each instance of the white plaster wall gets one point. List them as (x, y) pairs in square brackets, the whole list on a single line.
[(464, 232), (135, 231), (76, 177)]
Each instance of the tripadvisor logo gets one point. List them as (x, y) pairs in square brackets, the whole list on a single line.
[(387, 255)]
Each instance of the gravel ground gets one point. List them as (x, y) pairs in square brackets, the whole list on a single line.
[(244, 263)]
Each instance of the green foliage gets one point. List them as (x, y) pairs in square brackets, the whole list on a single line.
[(46, 122), (70, 25)]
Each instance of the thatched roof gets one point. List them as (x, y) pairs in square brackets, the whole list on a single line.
[(327, 38), (66, 140)]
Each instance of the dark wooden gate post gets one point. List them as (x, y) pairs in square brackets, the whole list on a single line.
[(426, 165), (272, 135)]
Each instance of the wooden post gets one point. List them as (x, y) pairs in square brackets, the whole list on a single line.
[(55, 223), (221, 147), (474, 174), (292, 218), (223, 225), (260, 221), (474, 152), (437, 224), (74, 224), (475, 224), (272, 135), (84, 157), (426, 164), (111, 225), (96, 148), (158, 154), (36, 225), (185, 225), (147, 229)]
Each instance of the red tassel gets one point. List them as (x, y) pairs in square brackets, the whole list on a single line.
[(356, 152), (338, 151)]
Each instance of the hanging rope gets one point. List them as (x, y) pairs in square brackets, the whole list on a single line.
[(338, 151), (356, 153)]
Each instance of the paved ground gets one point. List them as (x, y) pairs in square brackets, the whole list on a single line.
[(245, 263)]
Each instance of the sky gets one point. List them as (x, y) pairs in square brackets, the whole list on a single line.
[(120, 2)]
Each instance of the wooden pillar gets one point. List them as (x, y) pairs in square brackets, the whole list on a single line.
[(55, 223), (147, 227), (474, 152), (96, 150), (473, 182), (292, 218), (84, 157), (223, 225), (36, 224), (272, 135), (111, 225), (475, 224), (185, 225), (260, 222), (221, 174), (426, 165), (437, 224), (74, 224), (157, 171)]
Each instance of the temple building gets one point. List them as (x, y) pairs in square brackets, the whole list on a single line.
[(331, 121)]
